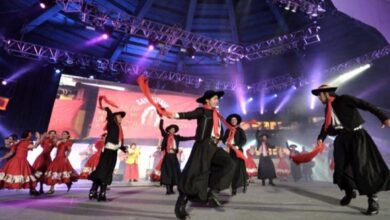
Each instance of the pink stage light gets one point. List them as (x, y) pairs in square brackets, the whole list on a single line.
[(151, 47), (105, 36), (42, 5)]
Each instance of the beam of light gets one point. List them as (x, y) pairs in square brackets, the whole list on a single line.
[(97, 39), (262, 101), (348, 75), (3, 130), (118, 88), (249, 100), (284, 101), (373, 88), (249, 144), (19, 73), (315, 81)]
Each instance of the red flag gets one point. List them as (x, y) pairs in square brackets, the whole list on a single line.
[(307, 157)]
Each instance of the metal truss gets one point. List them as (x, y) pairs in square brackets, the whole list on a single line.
[(96, 17), (313, 8), (281, 44)]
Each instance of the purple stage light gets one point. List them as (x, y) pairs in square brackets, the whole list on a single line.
[(284, 100), (151, 47), (4, 82), (105, 36)]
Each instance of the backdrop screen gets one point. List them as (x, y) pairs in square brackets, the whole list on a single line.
[(75, 109)]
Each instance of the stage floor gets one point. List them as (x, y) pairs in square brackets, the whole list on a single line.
[(287, 200)]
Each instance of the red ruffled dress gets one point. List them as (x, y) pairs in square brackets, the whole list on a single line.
[(41, 164), (93, 161), (250, 164), (60, 170), (17, 172), (282, 169)]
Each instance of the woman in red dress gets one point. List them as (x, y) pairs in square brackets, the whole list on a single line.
[(282, 169), (43, 160), (60, 170), (94, 159), (250, 164), (17, 172)]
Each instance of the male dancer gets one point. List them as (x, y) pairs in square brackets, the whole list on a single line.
[(358, 163), (170, 169), (209, 168), (240, 177), (102, 176)]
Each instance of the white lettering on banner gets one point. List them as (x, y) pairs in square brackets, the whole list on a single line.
[(144, 101)]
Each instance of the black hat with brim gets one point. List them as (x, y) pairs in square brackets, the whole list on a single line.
[(323, 88), (172, 126), (237, 116), (208, 95), (122, 114)]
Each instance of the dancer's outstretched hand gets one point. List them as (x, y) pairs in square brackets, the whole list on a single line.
[(386, 123)]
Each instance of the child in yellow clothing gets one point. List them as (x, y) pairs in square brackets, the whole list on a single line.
[(132, 173)]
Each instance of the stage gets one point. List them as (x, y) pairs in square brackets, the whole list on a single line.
[(317, 200)]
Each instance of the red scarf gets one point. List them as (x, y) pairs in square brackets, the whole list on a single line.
[(171, 142), (328, 115), (216, 118)]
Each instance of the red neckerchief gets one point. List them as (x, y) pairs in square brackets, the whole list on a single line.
[(216, 118), (171, 141), (328, 115)]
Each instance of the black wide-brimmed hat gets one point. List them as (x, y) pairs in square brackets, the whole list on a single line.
[(323, 88), (229, 118), (208, 95), (172, 126), (122, 114)]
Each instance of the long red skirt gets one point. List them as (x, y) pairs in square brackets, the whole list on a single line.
[(282, 169), (60, 171), (41, 164), (132, 172), (90, 166), (251, 168), (17, 174)]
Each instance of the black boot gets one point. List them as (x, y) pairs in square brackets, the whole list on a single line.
[(93, 191), (213, 199), (168, 187), (349, 195), (34, 192), (234, 191), (180, 207), (69, 185), (271, 182), (102, 193), (263, 182), (41, 188), (245, 187), (373, 206), (171, 189)]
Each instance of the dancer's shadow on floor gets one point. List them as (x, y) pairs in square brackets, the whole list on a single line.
[(320, 197)]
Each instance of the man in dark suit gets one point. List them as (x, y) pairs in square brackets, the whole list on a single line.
[(358, 163)]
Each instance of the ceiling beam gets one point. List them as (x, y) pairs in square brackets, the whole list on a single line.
[(188, 27), (46, 15), (140, 14)]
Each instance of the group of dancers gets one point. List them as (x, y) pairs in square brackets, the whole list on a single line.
[(358, 164)]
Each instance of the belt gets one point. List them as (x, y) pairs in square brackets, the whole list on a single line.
[(112, 146), (343, 130)]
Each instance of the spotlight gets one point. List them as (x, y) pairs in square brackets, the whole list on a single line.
[(249, 87), (4, 82), (200, 80), (153, 42), (191, 51), (57, 71), (275, 112), (42, 5), (105, 36), (91, 77), (250, 99), (294, 9), (288, 6), (275, 95), (294, 87)]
